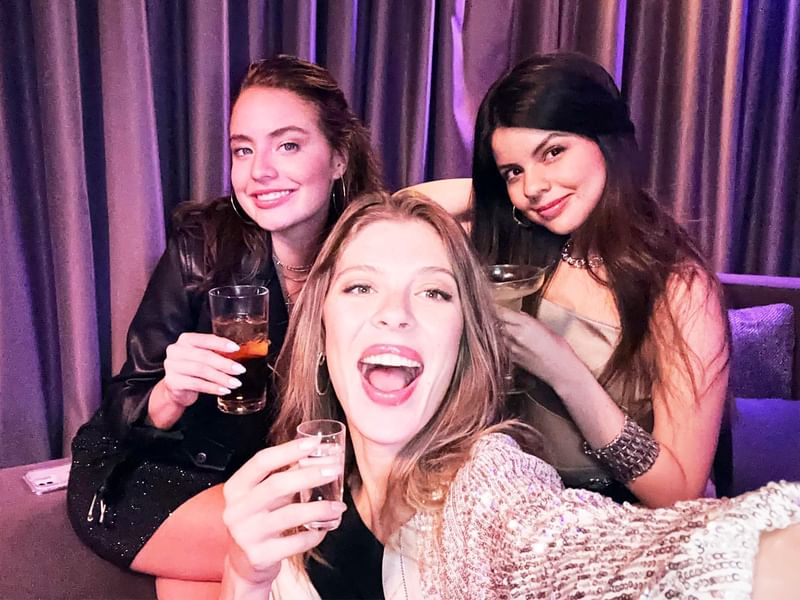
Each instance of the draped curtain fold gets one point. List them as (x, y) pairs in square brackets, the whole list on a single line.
[(111, 113)]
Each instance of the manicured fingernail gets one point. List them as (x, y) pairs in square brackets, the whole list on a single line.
[(231, 347), (234, 383), (338, 507), (329, 472), (223, 391), (309, 443), (238, 369)]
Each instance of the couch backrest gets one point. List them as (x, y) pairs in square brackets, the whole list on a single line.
[(742, 291)]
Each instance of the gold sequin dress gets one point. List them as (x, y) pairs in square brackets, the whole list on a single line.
[(509, 529)]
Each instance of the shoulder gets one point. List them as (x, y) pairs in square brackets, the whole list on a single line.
[(497, 463), (693, 291)]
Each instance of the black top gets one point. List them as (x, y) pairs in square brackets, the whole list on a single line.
[(175, 302), (355, 560)]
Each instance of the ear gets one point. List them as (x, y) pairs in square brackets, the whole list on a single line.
[(339, 164)]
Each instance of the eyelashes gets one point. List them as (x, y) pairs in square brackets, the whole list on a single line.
[(361, 289)]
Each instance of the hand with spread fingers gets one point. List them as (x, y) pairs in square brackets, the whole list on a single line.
[(263, 515)]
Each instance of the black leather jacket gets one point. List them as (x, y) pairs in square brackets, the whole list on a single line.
[(173, 304)]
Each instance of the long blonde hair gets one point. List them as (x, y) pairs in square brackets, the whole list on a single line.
[(474, 401)]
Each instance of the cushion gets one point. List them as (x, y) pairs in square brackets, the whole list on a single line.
[(762, 350), (766, 442)]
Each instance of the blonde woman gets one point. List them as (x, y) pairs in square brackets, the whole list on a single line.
[(443, 500)]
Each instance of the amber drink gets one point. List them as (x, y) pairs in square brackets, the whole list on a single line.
[(239, 313)]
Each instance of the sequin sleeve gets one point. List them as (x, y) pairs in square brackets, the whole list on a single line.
[(510, 530)]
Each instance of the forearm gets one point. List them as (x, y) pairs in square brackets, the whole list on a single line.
[(600, 421), (594, 412)]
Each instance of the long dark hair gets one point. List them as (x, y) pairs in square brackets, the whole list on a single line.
[(237, 248), (642, 245)]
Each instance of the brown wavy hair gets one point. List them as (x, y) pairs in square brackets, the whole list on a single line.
[(474, 401), (644, 249), (237, 249)]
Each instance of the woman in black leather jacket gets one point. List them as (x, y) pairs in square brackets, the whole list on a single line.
[(143, 489)]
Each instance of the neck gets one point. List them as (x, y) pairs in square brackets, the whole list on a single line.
[(374, 465), (294, 252)]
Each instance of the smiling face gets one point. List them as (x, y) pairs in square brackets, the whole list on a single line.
[(555, 179), (393, 324), (283, 167)]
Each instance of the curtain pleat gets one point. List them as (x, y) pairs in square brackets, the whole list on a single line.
[(67, 202), (111, 113)]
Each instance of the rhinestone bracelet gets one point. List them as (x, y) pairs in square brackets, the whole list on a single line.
[(628, 456)]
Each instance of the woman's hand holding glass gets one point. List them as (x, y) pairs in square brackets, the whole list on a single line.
[(263, 515), (193, 366), (537, 349)]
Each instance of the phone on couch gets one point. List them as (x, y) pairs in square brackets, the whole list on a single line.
[(47, 479)]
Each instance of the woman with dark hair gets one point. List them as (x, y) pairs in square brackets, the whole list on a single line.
[(628, 329), (144, 487), (442, 501)]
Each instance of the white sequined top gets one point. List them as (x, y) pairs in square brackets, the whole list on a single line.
[(510, 530)]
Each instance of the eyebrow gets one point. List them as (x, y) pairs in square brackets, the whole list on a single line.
[(240, 137), (536, 150), (371, 269)]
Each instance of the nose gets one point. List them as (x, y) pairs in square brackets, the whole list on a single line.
[(263, 167), (394, 312), (535, 183)]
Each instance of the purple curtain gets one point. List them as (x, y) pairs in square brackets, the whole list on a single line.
[(113, 112)]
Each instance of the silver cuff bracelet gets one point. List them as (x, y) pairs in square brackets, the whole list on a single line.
[(629, 455)]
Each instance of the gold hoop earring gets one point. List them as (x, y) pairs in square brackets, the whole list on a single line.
[(317, 388), (526, 224), (237, 208), (339, 207)]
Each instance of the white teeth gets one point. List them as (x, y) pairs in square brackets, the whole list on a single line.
[(390, 360), (272, 195)]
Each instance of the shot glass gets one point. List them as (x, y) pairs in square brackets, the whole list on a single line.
[(330, 454), (239, 313)]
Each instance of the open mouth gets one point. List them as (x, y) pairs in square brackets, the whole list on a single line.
[(388, 377)]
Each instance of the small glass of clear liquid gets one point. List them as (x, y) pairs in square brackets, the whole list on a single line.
[(329, 454)]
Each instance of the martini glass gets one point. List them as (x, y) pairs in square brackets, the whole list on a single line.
[(510, 285)]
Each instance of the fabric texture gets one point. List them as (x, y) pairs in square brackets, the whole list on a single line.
[(509, 530), (113, 112), (766, 444), (142, 473), (762, 351), (593, 342)]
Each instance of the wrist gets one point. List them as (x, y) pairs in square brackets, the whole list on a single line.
[(236, 586), (162, 411)]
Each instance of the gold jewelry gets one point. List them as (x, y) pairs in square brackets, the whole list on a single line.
[(290, 268), (237, 208), (526, 224), (317, 386), (593, 261), (339, 209)]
